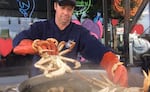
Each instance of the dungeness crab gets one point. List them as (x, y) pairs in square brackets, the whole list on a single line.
[(52, 61)]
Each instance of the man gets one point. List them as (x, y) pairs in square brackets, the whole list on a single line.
[(62, 29)]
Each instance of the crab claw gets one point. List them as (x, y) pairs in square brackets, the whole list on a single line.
[(146, 83)]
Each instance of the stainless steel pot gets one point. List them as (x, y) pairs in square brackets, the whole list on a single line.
[(70, 81)]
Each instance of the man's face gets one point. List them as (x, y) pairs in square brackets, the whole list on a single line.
[(63, 13)]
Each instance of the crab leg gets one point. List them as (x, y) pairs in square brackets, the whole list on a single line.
[(104, 90), (101, 82), (115, 66), (61, 45), (70, 47), (106, 79), (58, 72), (146, 83), (77, 63), (40, 63), (89, 80)]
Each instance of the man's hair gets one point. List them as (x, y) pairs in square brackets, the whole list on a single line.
[(66, 2)]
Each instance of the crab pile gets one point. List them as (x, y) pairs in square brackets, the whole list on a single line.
[(105, 85), (52, 61)]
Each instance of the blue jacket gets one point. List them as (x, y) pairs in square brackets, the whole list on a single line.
[(87, 45)]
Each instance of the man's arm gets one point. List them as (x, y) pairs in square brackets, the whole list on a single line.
[(94, 50), (32, 33)]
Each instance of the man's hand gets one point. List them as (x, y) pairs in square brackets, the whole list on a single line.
[(115, 70), (24, 47), (120, 76)]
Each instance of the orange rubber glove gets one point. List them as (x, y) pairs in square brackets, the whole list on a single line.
[(116, 72), (24, 47)]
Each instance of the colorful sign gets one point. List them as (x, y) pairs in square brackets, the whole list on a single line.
[(26, 7), (82, 6)]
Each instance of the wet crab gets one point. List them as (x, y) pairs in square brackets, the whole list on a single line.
[(52, 61)]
